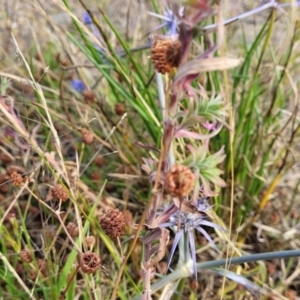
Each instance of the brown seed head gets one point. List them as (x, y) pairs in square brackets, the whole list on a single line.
[(19, 269), (72, 229), (165, 54), (32, 274), (99, 161), (194, 285), (113, 223), (89, 97), (87, 136), (120, 109), (179, 181), (63, 60), (25, 255), (42, 266), (89, 262), (95, 176), (109, 187), (5, 158), (60, 193), (16, 179)]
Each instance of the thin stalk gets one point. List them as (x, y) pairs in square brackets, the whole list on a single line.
[(184, 271)]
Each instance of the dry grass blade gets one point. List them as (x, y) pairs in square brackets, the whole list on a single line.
[(197, 66), (15, 274)]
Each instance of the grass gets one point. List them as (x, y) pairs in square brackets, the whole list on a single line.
[(43, 120)]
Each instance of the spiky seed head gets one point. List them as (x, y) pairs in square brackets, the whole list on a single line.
[(165, 54), (87, 136), (89, 97), (26, 255), (95, 176), (60, 193), (72, 229), (179, 181), (113, 223), (89, 262), (42, 266), (120, 109), (99, 161), (16, 179)]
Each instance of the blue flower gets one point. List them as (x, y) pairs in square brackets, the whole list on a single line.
[(189, 222), (78, 85), (87, 19), (170, 20)]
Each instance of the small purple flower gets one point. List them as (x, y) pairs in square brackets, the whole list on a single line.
[(78, 85), (209, 126), (87, 19)]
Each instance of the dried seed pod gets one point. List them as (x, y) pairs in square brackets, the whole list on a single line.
[(32, 274), (87, 136), (109, 187), (16, 179), (194, 284), (60, 193), (63, 60), (120, 109), (95, 176), (89, 262), (89, 97), (72, 229), (42, 266), (19, 269), (99, 161), (179, 181), (25, 255), (113, 223), (165, 54), (6, 158)]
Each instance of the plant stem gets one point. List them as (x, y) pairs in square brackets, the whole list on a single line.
[(184, 271), (249, 258)]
